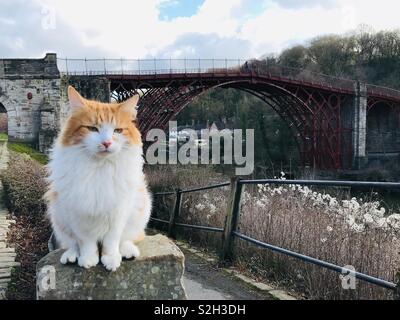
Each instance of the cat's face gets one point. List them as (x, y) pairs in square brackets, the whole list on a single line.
[(101, 129)]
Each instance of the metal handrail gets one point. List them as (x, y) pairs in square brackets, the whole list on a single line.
[(318, 262), (159, 220), (110, 67), (170, 193), (214, 186), (327, 183), (192, 226)]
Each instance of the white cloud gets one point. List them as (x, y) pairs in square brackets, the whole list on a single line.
[(278, 26), (228, 28), (281, 25), (206, 46), (381, 15)]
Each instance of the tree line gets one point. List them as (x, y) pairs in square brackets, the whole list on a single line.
[(363, 55)]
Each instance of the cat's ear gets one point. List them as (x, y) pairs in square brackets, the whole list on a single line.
[(130, 105), (75, 99)]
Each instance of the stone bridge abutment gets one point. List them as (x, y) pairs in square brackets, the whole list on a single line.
[(30, 92)]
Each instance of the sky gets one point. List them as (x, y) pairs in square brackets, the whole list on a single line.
[(179, 28)]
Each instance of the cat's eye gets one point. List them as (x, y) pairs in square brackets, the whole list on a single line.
[(92, 129), (118, 130)]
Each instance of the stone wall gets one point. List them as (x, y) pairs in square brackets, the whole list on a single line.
[(30, 68), (30, 92), (35, 98), (24, 112)]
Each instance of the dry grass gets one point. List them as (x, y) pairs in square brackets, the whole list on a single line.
[(287, 218), (24, 185), (29, 236), (292, 221)]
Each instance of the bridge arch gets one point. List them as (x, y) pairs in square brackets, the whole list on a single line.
[(3, 119), (8, 112), (313, 115), (161, 104), (282, 101)]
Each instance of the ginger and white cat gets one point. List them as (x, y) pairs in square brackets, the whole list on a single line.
[(97, 191)]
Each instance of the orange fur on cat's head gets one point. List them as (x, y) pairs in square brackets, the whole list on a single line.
[(87, 115)]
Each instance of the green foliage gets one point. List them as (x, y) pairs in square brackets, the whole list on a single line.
[(27, 149), (3, 136), (24, 186), (296, 57)]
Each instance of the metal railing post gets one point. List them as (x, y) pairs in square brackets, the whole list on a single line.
[(175, 214), (231, 220), (185, 66), (105, 68)]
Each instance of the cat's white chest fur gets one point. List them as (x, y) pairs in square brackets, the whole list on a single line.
[(93, 186), (92, 193)]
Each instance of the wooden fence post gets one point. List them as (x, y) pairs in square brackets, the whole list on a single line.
[(175, 214), (231, 220)]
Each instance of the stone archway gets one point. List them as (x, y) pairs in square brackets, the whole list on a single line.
[(3, 120)]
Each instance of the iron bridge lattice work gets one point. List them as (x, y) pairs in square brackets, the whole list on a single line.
[(312, 105)]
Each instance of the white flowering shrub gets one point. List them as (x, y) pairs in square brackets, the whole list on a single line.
[(356, 214), (332, 228)]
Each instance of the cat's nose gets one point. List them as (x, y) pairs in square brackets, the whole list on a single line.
[(107, 143)]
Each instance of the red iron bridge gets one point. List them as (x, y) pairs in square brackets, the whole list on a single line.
[(337, 123)]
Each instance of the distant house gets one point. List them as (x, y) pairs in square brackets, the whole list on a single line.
[(216, 125)]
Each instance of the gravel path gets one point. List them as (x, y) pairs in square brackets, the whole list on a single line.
[(203, 281)]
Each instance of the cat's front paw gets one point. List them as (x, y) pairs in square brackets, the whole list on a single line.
[(111, 262), (88, 261), (69, 256), (129, 250)]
